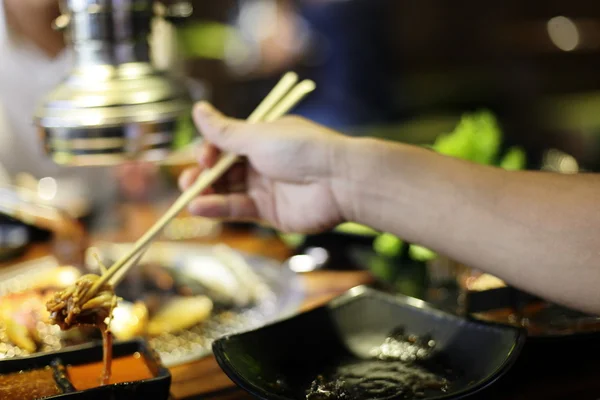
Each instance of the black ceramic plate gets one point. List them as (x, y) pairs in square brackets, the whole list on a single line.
[(156, 388), (277, 361)]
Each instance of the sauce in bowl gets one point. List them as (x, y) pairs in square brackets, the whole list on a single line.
[(124, 369), (56, 379), (29, 385)]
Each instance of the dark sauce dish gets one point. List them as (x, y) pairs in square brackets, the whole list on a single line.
[(76, 370), (286, 360)]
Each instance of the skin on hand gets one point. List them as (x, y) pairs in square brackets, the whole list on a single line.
[(537, 231), (285, 176)]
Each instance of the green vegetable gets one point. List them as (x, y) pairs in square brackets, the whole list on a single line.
[(383, 269), (454, 145), (387, 245), (477, 138), (420, 253), (204, 39), (356, 229), (487, 138), (409, 287), (185, 132), (292, 240), (514, 160)]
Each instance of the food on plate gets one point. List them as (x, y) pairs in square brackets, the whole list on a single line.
[(56, 278), (180, 313), (253, 287), (170, 296), (20, 335), (483, 282), (22, 311), (129, 320), (19, 315), (226, 278), (25, 323)]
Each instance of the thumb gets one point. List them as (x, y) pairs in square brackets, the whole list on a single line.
[(227, 134)]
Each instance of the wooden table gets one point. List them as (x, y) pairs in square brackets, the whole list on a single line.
[(540, 373)]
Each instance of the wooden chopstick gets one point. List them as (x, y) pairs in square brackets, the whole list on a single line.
[(121, 272), (284, 85), (289, 101), (280, 100)]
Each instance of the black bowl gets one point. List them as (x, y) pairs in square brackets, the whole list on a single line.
[(156, 388), (278, 361)]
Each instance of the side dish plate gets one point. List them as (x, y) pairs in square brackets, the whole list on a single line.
[(268, 362)]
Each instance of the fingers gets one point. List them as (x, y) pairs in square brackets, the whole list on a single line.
[(208, 155), (188, 177), (234, 180), (236, 206), (225, 133)]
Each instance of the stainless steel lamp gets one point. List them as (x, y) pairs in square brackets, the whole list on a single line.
[(114, 105)]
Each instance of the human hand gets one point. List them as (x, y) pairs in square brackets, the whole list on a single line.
[(286, 176)]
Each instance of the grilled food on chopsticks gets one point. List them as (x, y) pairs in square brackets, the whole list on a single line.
[(70, 307), (76, 306)]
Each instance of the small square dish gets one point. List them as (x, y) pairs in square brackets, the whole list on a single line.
[(370, 345), (74, 373)]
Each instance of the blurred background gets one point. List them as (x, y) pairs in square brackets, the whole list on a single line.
[(517, 75), (408, 70), (512, 84)]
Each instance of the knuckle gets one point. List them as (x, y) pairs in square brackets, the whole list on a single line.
[(226, 131)]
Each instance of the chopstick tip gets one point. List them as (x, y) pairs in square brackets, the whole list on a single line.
[(310, 85), (291, 75)]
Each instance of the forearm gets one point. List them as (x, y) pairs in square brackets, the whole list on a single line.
[(33, 20), (538, 231)]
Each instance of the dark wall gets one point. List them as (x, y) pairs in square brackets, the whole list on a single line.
[(443, 56)]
